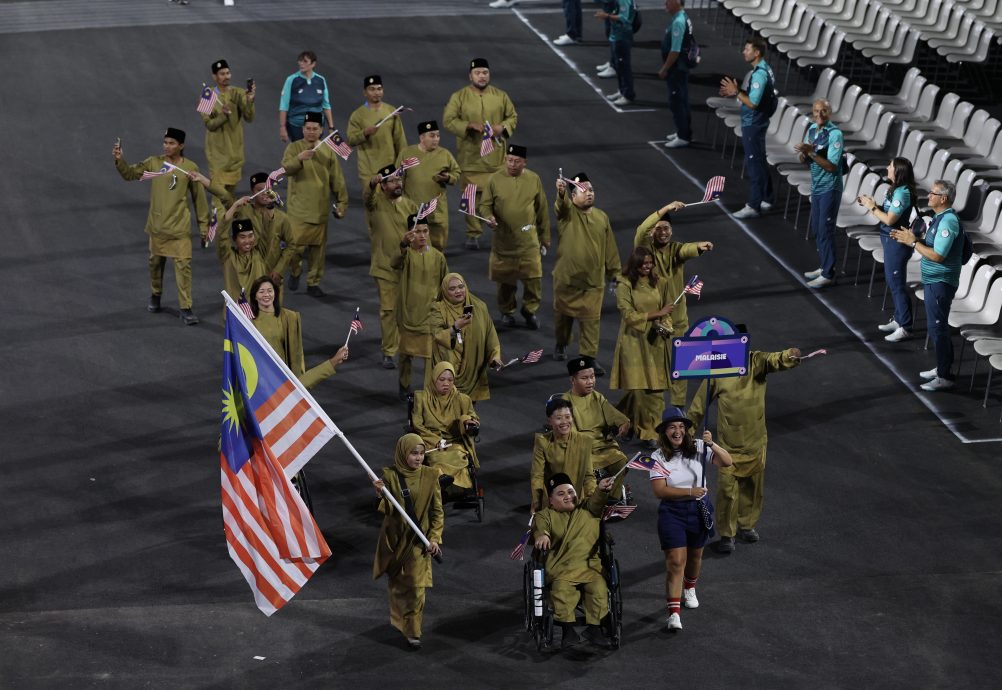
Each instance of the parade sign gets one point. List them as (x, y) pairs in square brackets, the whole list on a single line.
[(713, 348)]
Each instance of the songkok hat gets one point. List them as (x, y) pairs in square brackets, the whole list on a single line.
[(176, 134), (559, 479), (579, 364), (413, 222), (219, 64), (428, 126), (387, 170), (673, 414), (372, 80), (257, 178), (479, 62), (241, 225), (516, 150), (314, 117), (581, 177)]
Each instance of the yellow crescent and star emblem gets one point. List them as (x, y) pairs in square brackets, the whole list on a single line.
[(232, 402)]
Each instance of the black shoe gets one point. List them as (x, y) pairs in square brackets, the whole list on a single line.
[(153, 306), (314, 291), (293, 283), (748, 535), (531, 322), (188, 317), (599, 371), (414, 643), (569, 636), (508, 320), (725, 545), (388, 362), (558, 353), (403, 393), (472, 243), (594, 634)]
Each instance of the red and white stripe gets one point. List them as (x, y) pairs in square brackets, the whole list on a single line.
[(714, 188), (292, 428)]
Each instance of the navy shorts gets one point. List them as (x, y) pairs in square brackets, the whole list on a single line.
[(680, 525)]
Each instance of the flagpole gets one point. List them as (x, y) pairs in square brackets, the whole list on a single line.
[(380, 123), (320, 143), (697, 203), (486, 220), (234, 309), (350, 329)]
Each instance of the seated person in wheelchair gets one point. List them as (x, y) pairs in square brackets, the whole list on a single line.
[(445, 420), (562, 449), (570, 533)]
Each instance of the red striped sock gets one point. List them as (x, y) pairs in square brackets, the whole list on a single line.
[(674, 606), (689, 582)]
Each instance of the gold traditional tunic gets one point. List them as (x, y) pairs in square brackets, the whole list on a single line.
[(670, 264), (284, 333), (271, 226), (593, 414), (224, 138), (387, 225), (639, 363), (241, 270), (587, 256), (550, 456), (519, 206), (311, 184), (437, 418), (421, 273), (420, 185), (381, 148), (470, 104)]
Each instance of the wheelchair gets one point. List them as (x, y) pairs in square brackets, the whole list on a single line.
[(538, 611), (470, 498)]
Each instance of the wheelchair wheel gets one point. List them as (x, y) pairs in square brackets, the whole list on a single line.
[(544, 631), (615, 619), (527, 596), (480, 505)]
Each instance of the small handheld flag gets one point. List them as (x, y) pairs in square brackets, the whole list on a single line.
[(644, 463), (816, 352), (147, 175), (530, 357), (693, 287), (245, 306), (714, 188), (617, 511), (355, 327), (213, 226), (337, 144), (207, 101), (518, 553), (394, 113), (468, 202), (426, 209), (487, 143)]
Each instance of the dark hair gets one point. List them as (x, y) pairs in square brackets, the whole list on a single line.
[(904, 176), (252, 297), (759, 44), (632, 268), (308, 54), (688, 447), (554, 404)]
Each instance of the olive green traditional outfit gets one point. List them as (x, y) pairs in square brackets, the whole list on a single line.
[(381, 148), (387, 221), (421, 273), (741, 430), (224, 136), (272, 229), (593, 414), (400, 555), (285, 334), (669, 261), (470, 351), (574, 559), (640, 362), (587, 257), (168, 222), (519, 206), (438, 418), (311, 184), (419, 184), (467, 105), (551, 455), (241, 270)]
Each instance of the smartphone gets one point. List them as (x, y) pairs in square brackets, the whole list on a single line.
[(250, 84), (468, 310)]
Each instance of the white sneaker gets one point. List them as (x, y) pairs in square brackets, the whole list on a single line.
[(669, 137), (607, 73), (820, 282), (898, 335), (937, 384), (603, 66), (816, 273), (929, 375), (564, 40), (622, 100), (888, 327), (674, 622), (689, 599), (746, 212), (503, 4), (613, 96), (677, 143), (765, 206)]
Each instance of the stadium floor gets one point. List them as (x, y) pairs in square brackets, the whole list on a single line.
[(879, 563)]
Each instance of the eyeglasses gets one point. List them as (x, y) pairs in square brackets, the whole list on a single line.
[(937, 194)]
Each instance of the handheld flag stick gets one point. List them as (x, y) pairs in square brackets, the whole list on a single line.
[(322, 141), (714, 188), (395, 112), (356, 325), (238, 313)]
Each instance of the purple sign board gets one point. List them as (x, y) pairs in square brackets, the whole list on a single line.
[(713, 348)]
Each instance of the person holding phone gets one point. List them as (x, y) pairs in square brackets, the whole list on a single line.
[(464, 335), (431, 179), (224, 135)]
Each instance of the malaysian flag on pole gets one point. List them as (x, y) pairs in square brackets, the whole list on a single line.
[(641, 462), (617, 511), (694, 286), (356, 323), (487, 143), (518, 553), (531, 357), (425, 210), (148, 175), (274, 177), (213, 226), (207, 101), (407, 164), (270, 429), (468, 202), (338, 144), (714, 188)]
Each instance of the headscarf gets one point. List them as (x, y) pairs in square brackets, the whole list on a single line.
[(405, 444), (453, 311), (444, 410)]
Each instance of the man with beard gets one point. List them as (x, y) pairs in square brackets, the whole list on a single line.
[(387, 210), (314, 174), (515, 204), (468, 114), (224, 136), (428, 180), (374, 145), (587, 258), (655, 234)]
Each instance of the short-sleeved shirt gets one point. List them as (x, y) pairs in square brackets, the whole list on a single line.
[(674, 38), (760, 78), (943, 236), (680, 472), (898, 202), (622, 28), (301, 95), (828, 142)]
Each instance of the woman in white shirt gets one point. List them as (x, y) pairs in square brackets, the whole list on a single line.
[(677, 478)]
